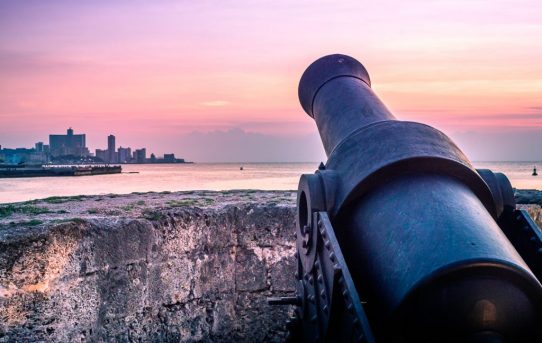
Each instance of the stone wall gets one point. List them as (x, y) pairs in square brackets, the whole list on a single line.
[(186, 274), (162, 267)]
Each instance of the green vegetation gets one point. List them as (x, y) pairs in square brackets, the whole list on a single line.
[(190, 202), (132, 205), (165, 192), (70, 220), (150, 214), (62, 199), (8, 210), (93, 211), (128, 207), (182, 203)]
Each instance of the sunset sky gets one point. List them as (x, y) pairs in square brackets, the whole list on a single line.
[(217, 80)]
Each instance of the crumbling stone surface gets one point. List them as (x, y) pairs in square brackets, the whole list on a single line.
[(183, 274)]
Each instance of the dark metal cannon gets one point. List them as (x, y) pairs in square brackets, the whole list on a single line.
[(399, 238)]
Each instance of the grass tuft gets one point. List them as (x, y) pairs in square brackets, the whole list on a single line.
[(10, 209)]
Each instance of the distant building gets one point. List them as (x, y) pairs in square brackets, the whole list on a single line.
[(153, 158), (140, 155), (22, 155), (68, 144), (39, 146), (125, 155), (111, 151), (101, 154), (169, 158)]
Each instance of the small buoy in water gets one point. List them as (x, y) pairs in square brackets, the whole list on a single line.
[(534, 171), (241, 168)]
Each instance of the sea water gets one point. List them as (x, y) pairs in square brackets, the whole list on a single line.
[(205, 176)]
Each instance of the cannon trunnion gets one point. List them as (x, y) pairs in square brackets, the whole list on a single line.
[(399, 238)]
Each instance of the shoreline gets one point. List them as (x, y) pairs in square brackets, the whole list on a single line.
[(149, 205)]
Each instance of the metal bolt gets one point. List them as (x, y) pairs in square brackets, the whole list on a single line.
[(332, 256), (311, 279), (323, 293), (320, 278), (325, 308)]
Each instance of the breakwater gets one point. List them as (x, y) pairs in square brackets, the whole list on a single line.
[(11, 172)]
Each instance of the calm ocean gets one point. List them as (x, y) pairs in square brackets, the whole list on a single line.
[(205, 176)]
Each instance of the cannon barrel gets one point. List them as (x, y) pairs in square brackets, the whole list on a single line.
[(417, 224)]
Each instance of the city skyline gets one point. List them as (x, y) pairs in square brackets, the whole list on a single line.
[(71, 148), (190, 77)]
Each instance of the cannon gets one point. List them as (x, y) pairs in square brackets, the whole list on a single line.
[(399, 238)]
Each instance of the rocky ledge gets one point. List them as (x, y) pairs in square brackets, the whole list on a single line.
[(168, 267)]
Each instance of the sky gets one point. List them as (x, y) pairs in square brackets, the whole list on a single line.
[(217, 80)]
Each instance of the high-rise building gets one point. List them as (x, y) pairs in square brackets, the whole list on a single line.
[(140, 155), (125, 155), (68, 144), (111, 151)]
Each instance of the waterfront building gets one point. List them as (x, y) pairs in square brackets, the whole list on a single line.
[(111, 151), (140, 155), (125, 155), (101, 154), (68, 144), (23, 156)]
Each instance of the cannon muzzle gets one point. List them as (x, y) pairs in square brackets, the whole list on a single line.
[(416, 223)]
